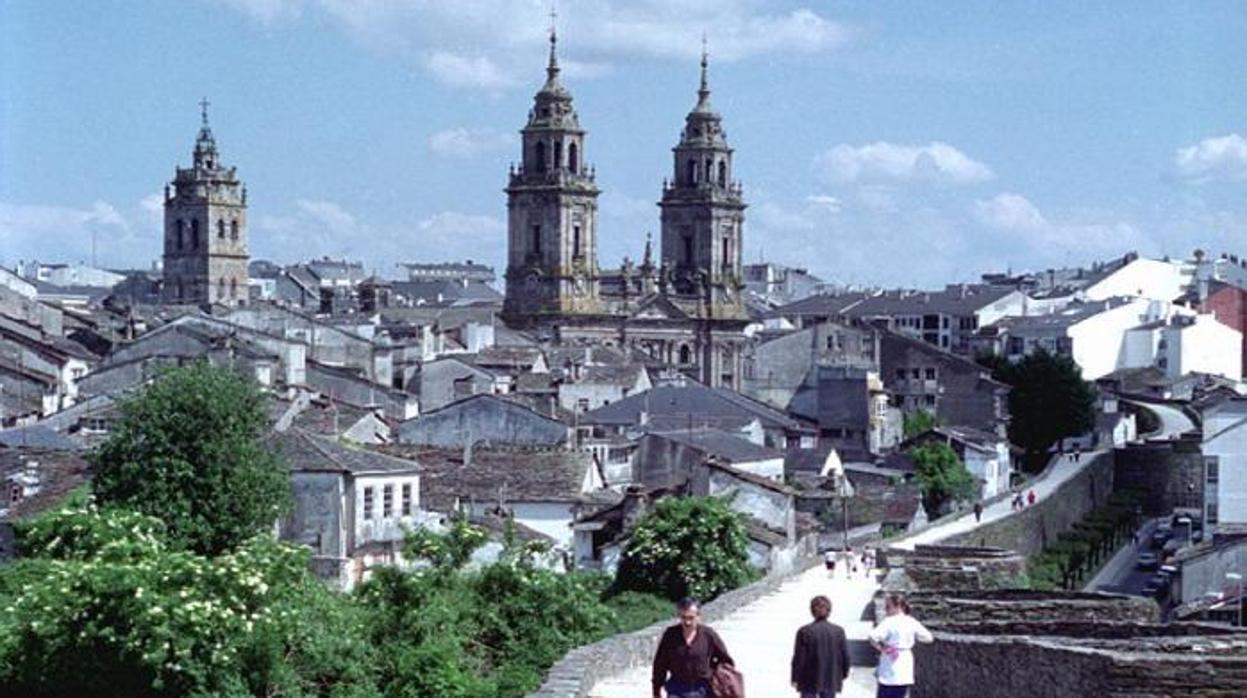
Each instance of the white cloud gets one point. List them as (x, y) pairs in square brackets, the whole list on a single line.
[(1033, 235), (507, 38), (469, 142), (1224, 157), (328, 214), (825, 202), (64, 233), (1009, 212), (458, 70), (936, 162), (466, 228)]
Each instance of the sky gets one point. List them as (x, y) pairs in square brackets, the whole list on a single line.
[(879, 142)]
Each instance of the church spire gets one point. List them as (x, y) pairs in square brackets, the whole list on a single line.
[(205, 155), (552, 67), (703, 93)]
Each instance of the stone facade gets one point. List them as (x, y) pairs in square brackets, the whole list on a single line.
[(205, 230), (1168, 474), (685, 311)]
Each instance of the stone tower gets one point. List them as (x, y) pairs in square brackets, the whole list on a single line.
[(703, 213), (205, 255), (552, 266)]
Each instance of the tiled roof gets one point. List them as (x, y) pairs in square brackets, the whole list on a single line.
[(727, 446), (692, 400), (58, 473), (307, 452)]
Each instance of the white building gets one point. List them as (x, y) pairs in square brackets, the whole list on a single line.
[(1225, 462), (1153, 279), (1092, 333)]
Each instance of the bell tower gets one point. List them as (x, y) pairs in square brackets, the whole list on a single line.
[(552, 265), (703, 212), (205, 247)]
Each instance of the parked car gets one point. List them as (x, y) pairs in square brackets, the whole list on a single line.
[(1147, 561), (1157, 585), (1161, 536), (1168, 571)]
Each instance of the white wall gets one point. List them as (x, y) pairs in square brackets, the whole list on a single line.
[(1225, 443), (1098, 341), (381, 527), (990, 468), (552, 519), (1207, 346), (772, 468), (1146, 278)]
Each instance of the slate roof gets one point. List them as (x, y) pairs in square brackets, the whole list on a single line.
[(546, 475), (721, 444), (1071, 315), (829, 305), (307, 452), (693, 399), (37, 436), (955, 299)]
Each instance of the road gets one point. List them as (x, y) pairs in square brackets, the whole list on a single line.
[(1121, 575), (1173, 421)]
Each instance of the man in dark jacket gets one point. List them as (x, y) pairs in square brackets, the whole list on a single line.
[(820, 659), (687, 655)]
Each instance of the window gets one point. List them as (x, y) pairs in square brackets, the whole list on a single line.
[(220, 288), (900, 374), (558, 155), (539, 158), (582, 405), (575, 241), (690, 176), (220, 229), (181, 233), (1210, 514), (387, 501), (928, 400), (686, 354), (727, 251), (194, 233), (708, 171), (537, 239), (233, 288), (1212, 470), (930, 373), (916, 373), (722, 173), (367, 504), (687, 240), (571, 158), (407, 499), (233, 230)]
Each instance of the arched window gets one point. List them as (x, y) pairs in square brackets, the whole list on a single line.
[(708, 172), (558, 155), (180, 233), (575, 241), (723, 173), (220, 229), (539, 157), (220, 288), (194, 233), (691, 174), (686, 355), (572, 164), (233, 288), (233, 229), (727, 251)]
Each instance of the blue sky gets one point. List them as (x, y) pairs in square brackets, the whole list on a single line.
[(892, 143)]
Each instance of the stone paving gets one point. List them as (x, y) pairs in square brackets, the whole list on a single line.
[(760, 636)]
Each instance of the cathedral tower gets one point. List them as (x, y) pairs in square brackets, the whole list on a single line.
[(205, 254), (703, 213), (552, 265)]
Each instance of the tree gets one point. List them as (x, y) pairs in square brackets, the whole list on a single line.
[(919, 422), (100, 605), (942, 476), (188, 451), (687, 546), (1049, 401)]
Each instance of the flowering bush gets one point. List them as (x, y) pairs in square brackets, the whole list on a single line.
[(687, 546)]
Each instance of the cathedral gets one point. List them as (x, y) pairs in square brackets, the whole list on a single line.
[(683, 309), (205, 251)]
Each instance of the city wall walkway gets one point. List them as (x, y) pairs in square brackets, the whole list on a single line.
[(760, 634)]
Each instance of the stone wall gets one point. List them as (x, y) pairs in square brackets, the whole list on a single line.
[(1056, 660), (1031, 530), (938, 608), (1168, 473), (582, 668)]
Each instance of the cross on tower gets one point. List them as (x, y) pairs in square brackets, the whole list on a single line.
[(203, 109)]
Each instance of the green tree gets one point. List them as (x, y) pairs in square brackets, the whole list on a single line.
[(919, 422), (1049, 401), (101, 606), (942, 476), (188, 451), (687, 546)]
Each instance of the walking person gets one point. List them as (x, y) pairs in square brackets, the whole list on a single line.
[(829, 561), (1030, 498), (894, 639), (978, 512), (687, 655), (820, 657)]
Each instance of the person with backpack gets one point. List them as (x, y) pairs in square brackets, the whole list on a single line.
[(894, 638), (689, 656), (820, 657)]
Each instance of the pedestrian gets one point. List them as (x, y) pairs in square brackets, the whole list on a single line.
[(820, 657), (687, 655), (1030, 498), (1017, 500), (978, 512), (829, 561), (1077, 452), (894, 639), (850, 562)]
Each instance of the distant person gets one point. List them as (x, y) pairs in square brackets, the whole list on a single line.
[(1077, 452), (978, 512), (687, 655), (1030, 498), (1017, 499), (820, 658), (829, 561), (894, 639)]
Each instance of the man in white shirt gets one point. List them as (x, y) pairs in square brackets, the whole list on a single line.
[(894, 639)]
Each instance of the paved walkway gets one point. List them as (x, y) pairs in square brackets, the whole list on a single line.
[(760, 636)]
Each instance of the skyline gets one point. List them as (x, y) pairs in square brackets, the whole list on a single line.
[(877, 144)]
